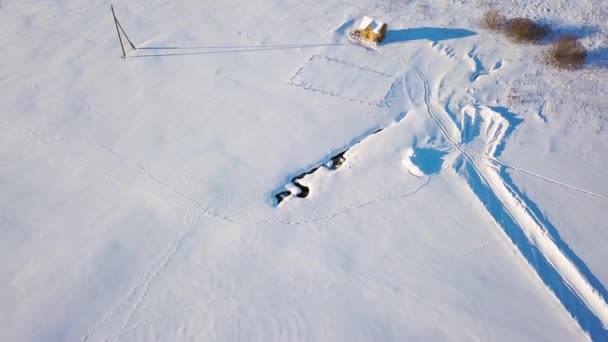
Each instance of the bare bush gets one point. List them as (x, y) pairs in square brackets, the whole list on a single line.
[(524, 30), (566, 53), (492, 20)]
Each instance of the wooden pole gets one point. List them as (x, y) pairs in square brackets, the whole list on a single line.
[(124, 55), (125, 33)]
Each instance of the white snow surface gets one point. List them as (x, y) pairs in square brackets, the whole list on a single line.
[(138, 195)]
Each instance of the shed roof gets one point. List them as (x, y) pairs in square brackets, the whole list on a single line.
[(375, 25), (365, 23)]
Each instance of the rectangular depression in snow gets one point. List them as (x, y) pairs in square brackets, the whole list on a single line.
[(344, 79)]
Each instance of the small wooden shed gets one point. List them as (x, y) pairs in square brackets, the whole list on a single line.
[(371, 30)]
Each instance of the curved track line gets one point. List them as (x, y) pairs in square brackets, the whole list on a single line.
[(200, 207), (326, 217)]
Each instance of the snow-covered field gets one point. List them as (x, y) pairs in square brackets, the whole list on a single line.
[(446, 186)]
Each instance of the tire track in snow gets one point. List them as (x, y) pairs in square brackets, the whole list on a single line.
[(539, 176), (536, 234)]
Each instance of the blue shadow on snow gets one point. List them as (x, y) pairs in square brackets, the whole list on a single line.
[(428, 160), (575, 306), (598, 58), (555, 236), (434, 34), (513, 120), (548, 274)]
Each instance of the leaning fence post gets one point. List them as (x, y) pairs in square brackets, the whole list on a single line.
[(125, 33), (124, 55)]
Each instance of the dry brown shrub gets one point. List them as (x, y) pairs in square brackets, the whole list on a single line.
[(492, 20), (566, 53), (524, 30)]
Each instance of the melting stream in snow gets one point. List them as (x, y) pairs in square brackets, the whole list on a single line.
[(331, 164)]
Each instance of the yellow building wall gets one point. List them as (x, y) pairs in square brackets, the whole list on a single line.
[(368, 34)]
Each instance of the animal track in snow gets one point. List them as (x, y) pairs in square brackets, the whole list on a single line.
[(357, 76)]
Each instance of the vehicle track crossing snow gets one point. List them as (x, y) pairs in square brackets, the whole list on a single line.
[(537, 235)]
